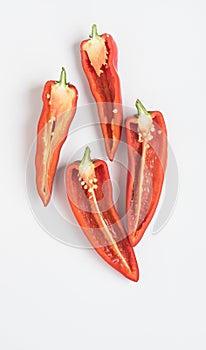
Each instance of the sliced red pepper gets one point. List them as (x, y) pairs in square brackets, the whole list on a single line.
[(147, 157), (60, 100), (99, 61), (89, 193)]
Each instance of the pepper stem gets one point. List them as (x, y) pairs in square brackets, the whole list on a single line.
[(86, 161), (63, 78), (94, 34), (141, 109)]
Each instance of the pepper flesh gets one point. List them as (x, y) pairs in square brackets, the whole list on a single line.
[(89, 193), (99, 61), (147, 157), (60, 100)]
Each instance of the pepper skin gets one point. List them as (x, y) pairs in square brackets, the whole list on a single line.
[(99, 61), (89, 193), (60, 100), (147, 157)]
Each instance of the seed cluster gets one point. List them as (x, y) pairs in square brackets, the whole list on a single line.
[(146, 135), (89, 184)]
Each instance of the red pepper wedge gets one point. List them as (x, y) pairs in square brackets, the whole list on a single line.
[(89, 192), (60, 101), (147, 157), (99, 61)]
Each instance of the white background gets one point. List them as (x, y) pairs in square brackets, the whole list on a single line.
[(56, 297)]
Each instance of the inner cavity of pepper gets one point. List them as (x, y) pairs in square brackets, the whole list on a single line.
[(103, 81)]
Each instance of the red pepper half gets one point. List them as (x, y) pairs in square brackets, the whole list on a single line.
[(147, 157), (60, 100), (89, 193), (99, 61)]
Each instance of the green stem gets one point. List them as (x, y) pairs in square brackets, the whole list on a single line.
[(94, 34), (141, 109), (86, 160), (63, 78)]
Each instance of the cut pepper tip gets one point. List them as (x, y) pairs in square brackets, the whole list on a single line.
[(134, 276), (111, 157)]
